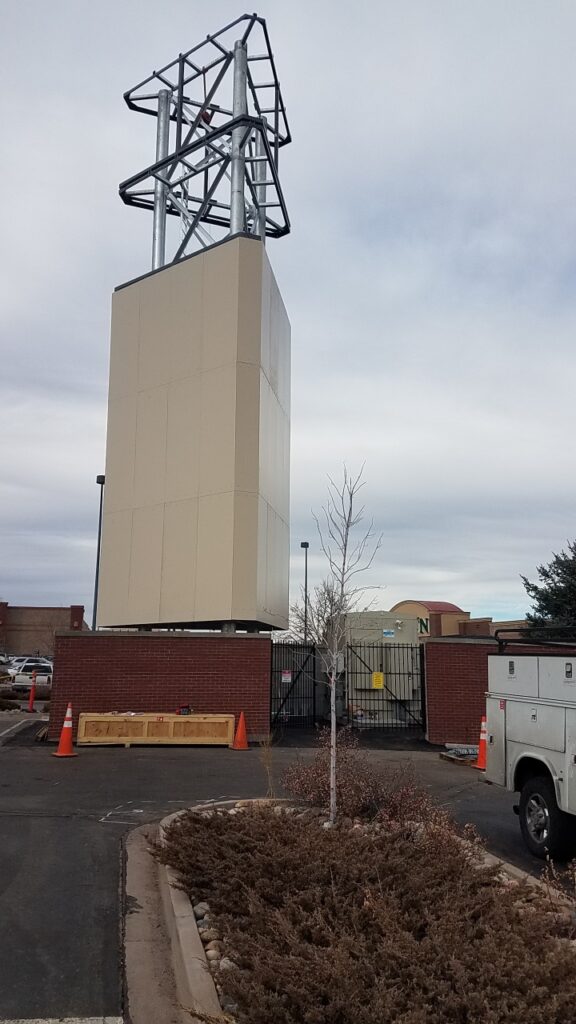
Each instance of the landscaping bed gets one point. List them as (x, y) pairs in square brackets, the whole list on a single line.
[(392, 920)]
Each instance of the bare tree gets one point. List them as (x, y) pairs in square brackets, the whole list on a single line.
[(312, 623), (349, 551)]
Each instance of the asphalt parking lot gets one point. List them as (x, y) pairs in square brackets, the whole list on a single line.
[(62, 823)]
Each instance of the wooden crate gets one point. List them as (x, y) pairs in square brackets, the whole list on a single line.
[(155, 728)]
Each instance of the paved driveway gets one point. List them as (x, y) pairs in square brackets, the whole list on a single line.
[(61, 827)]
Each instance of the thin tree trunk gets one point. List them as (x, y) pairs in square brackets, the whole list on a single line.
[(333, 807)]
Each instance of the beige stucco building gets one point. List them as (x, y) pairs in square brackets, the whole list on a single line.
[(196, 506), (442, 618)]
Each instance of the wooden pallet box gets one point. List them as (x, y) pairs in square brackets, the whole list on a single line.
[(155, 728)]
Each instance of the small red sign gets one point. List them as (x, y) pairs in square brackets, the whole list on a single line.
[(502, 705)]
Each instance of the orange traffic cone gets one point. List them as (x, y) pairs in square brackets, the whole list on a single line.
[(32, 696), (240, 739), (480, 762), (65, 744)]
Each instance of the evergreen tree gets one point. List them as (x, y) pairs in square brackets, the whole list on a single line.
[(554, 596)]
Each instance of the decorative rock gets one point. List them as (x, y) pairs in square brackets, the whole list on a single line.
[(226, 964), (209, 935), (327, 824), (200, 910), (214, 944), (310, 814), (212, 954)]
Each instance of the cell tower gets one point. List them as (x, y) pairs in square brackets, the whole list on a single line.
[(195, 529)]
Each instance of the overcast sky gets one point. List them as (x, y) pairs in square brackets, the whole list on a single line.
[(429, 276)]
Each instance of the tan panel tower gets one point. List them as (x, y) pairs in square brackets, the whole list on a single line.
[(196, 511)]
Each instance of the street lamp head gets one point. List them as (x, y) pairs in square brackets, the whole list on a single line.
[(304, 544), (101, 479)]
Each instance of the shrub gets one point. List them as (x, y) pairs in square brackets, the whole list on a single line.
[(359, 789), (7, 693), (8, 705), (348, 926)]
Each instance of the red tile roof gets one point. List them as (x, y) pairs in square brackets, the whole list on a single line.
[(434, 606)]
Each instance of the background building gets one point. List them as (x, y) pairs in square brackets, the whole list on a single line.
[(442, 618), (30, 630)]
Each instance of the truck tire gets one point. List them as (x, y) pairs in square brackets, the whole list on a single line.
[(546, 830)]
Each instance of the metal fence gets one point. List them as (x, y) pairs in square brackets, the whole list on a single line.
[(380, 686), (385, 686), (293, 685)]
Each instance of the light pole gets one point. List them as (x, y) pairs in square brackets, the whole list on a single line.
[(100, 480), (304, 544)]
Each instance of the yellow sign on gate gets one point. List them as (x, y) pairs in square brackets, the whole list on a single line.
[(377, 680)]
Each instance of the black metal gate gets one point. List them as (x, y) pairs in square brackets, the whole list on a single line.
[(385, 686), (293, 685)]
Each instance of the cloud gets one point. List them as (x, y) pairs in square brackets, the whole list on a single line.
[(429, 276)]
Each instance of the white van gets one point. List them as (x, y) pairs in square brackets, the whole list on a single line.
[(531, 744)]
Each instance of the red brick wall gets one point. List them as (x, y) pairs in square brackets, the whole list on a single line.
[(160, 671), (456, 685)]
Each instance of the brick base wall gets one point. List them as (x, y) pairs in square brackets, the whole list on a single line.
[(456, 685), (223, 674)]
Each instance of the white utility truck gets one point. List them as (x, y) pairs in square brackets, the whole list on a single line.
[(531, 748)]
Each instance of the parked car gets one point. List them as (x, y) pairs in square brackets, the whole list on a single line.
[(20, 673)]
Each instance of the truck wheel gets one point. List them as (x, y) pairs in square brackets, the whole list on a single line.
[(546, 830)]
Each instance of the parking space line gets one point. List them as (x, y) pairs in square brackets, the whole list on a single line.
[(11, 728)]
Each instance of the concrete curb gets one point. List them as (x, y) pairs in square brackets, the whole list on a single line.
[(194, 982), (490, 860), (149, 983)]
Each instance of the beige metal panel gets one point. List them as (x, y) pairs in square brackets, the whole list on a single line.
[(170, 332), (214, 557), (186, 298), (265, 307), (274, 568), (115, 567), (120, 448), (217, 430), (124, 354), (250, 297), (179, 561), (274, 444), (275, 328), (283, 353), (262, 563), (220, 305), (150, 450), (146, 565), (247, 428), (183, 439), (245, 554), (279, 540)]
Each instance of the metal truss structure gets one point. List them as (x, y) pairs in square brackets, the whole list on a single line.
[(221, 122)]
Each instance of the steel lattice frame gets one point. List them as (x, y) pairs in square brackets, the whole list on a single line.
[(221, 124)]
